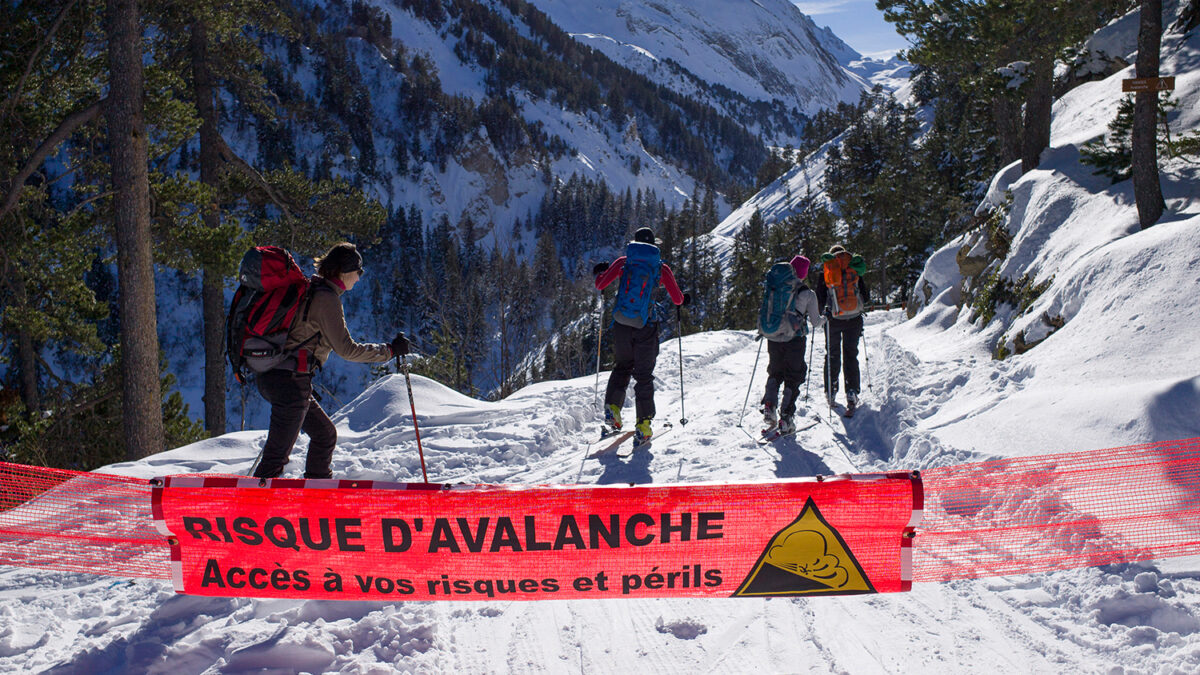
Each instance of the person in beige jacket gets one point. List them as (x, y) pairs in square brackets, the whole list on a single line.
[(318, 330)]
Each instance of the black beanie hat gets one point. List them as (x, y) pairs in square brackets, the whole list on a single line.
[(340, 259), (644, 235)]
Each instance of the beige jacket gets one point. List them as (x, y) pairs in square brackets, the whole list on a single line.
[(320, 328)]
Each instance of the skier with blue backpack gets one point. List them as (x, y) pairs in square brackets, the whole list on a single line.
[(781, 320), (634, 329)]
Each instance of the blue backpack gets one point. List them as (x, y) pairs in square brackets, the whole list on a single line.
[(643, 268), (779, 288)]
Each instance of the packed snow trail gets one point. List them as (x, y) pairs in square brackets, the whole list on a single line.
[(541, 434)]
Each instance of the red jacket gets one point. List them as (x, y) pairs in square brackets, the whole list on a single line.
[(666, 278)]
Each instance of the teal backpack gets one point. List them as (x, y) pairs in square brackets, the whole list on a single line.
[(779, 290), (639, 277)]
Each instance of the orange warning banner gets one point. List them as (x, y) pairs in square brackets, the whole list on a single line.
[(364, 540)]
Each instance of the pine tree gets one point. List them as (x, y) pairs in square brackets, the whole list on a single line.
[(750, 261), (51, 96), (963, 48), (878, 181)]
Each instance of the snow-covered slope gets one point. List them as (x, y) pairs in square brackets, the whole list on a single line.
[(1078, 235), (762, 49)]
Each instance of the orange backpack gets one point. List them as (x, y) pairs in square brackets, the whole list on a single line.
[(842, 281)]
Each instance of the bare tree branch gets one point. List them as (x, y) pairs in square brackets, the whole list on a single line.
[(250, 172), (64, 130)]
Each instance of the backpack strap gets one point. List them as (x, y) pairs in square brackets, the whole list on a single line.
[(301, 352)]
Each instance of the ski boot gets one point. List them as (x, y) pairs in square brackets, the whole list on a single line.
[(642, 433), (786, 426), (612, 420), (770, 417), (851, 403)]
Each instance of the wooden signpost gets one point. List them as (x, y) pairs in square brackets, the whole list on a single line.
[(1148, 84)]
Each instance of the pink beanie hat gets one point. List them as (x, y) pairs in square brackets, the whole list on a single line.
[(800, 264)]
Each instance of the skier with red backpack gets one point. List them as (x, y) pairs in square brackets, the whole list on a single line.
[(634, 330), (843, 298), (786, 302), (283, 326)]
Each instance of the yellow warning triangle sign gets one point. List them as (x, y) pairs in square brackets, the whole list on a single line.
[(807, 557)]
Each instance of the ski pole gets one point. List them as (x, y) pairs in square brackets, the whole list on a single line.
[(829, 374), (255, 463), (402, 363), (751, 385), (808, 380), (599, 336), (679, 334), (867, 358)]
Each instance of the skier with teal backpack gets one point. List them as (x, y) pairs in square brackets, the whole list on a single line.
[(635, 328), (785, 304)]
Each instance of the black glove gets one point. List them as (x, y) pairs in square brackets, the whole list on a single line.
[(757, 337), (599, 268), (687, 300), (399, 345)]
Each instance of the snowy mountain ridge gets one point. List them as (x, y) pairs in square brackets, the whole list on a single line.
[(765, 50)]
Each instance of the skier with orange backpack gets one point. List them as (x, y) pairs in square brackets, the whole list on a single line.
[(635, 329), (843, 297)]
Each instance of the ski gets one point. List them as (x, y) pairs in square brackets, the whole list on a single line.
[(771, 435), (618, 437), (609, 432), (666, 427)]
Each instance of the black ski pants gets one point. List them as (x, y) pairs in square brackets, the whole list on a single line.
[(293, 409), (785, 366), (843, 354), (635, 351)]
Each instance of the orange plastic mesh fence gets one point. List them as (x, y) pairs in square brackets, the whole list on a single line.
[(79, 522), (1011, 516), (1051, 512)]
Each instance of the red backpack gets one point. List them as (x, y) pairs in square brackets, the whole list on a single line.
[(263, 308)]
